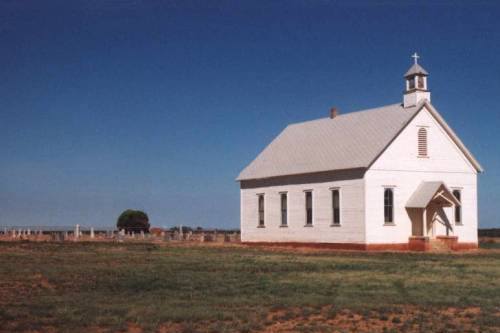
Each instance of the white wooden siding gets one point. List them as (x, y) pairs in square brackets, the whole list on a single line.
[(351, 229)]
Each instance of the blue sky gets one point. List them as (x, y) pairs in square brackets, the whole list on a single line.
[(157, 105)]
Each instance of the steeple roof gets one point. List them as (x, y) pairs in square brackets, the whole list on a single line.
[(416, 69)]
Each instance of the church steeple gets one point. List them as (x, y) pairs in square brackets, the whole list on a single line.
[(416, 84)]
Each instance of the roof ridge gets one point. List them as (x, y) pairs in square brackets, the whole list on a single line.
[(348, 113)]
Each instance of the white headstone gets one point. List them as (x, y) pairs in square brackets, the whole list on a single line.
[(92, 235), (77, 231)]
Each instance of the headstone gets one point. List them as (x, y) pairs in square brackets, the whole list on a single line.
[(92, 235), (181, 233), (77, 231), (29, 232), (142, 234), (66, 235)]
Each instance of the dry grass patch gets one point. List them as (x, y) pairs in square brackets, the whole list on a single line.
[(213, 288)]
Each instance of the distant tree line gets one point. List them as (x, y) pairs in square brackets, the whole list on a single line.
[(493, 232), (136, 221)]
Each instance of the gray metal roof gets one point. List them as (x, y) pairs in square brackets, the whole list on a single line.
[(425, 193), (416, 69), (351, 140), (348, 141)]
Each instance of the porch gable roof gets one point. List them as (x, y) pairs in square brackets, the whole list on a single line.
[(427, 191)]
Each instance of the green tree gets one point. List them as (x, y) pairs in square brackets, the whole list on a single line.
[(133, 221)]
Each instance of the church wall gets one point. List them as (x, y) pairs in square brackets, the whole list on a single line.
[(400, 167), (351, 229)]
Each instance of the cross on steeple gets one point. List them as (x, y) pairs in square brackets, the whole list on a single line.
[(415, 56)]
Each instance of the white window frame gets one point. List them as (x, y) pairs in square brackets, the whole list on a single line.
[(305, 208), (461, 191), (393, 188), (281, 211), (258, 210), (341, 218)]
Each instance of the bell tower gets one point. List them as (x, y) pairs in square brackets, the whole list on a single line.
[(416, 84)]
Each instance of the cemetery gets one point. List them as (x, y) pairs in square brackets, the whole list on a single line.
[(78, 233)]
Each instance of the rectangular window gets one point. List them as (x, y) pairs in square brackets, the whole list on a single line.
[(336, 206), (458, 209), (284, 211), (309, 208), (261, 210), (388, 206)]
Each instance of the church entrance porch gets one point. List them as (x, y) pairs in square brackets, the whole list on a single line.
[(426, 209)]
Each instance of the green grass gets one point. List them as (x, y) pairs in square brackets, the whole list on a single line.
[(490, 245), (75, 286)]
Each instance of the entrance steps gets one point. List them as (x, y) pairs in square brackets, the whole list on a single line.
[(437, 245)]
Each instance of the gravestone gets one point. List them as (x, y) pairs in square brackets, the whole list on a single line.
[(77, 231)]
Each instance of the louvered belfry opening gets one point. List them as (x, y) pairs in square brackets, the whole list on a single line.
[(422, 142)]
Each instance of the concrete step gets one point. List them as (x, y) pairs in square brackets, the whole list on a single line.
[(438, 246)]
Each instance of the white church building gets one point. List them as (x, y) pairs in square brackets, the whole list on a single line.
[(395, 177)]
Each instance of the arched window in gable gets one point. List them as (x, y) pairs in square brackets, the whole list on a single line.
[(422, 142)]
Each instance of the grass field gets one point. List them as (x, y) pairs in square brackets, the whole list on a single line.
[(113, 287)]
